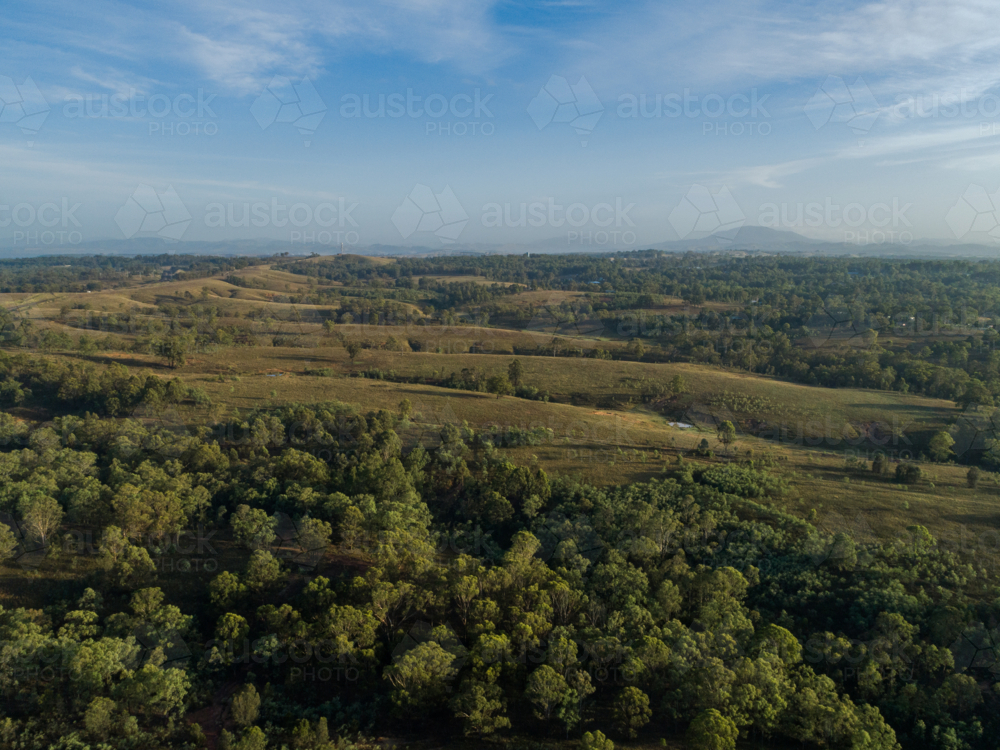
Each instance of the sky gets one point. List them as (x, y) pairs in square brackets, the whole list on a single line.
[(443, 123)]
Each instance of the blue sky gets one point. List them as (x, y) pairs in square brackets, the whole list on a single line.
[(613, 125)]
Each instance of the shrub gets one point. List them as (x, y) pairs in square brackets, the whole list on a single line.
[(743, 481), (908, 474), (596, 741)]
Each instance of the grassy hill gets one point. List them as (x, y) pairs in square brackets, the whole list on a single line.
[(610, 419)]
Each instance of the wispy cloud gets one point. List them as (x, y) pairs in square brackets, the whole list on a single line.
[(115, 81), (771, 175), (239, 45), (905, 45)]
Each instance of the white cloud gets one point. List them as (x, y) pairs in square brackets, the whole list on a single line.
[(239, 45), (116, 81), (910, 46), (770, 175)]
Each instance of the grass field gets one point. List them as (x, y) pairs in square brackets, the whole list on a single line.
[(606, 427)]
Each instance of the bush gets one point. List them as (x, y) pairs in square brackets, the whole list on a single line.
[(200, 397), (596, 741), (908, 474), (880, 464), (743, 481)]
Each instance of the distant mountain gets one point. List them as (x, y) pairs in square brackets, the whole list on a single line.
[(748, 240), (754, 239)]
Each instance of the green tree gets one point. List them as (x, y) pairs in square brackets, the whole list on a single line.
[(596, 741), (515, 373), (40, 514), (480, 706), (351, 526), (174, 351), (231, 632), (631, 711), (940, 446), (420, 677), (245, 705), (880, 464), (133, 568), (313, 536), (570, 707), (353, 350), (303, 736), (8, 542), (198, 736), (545, 690), (710, 730), (908, 474), (776, 640), (116, 550), (263, 571), (253, 738), (322, 733), (99, 718), (226, 590), (637, 349), (726, 434), (253, 527), (499, 384), (151, 691)]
